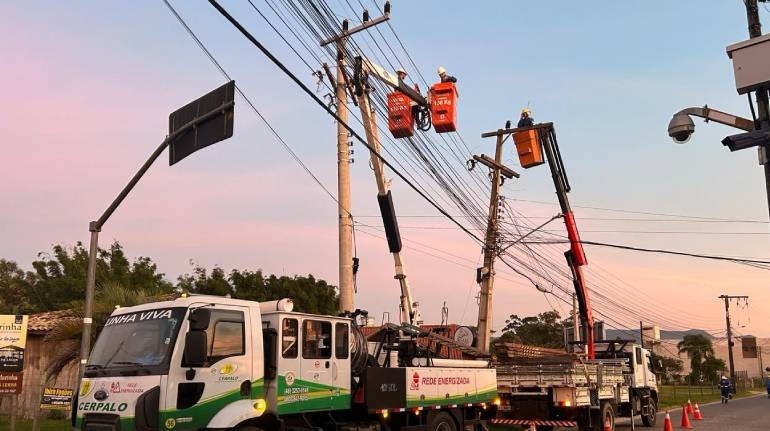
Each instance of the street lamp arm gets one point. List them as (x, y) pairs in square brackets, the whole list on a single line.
[(720, 117)]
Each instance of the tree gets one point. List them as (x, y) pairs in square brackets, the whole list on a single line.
[(543, 330), (15, 286), (698, 348), (667, 368), (68, 332), (60, 278), (712, 369), (309, 295)]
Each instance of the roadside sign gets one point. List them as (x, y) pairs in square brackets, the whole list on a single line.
[(13, 338), (10, 383), (56, 398)]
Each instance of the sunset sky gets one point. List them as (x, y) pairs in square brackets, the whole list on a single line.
[(87, 88)]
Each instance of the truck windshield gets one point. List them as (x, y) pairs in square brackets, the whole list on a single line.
[(141, 340)]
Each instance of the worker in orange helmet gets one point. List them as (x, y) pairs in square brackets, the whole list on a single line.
[(526, 119), (444, 76)]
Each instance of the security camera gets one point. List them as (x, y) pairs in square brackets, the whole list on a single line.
[(680, 128)]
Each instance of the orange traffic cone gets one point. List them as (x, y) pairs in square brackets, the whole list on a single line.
[(685, 419), (689, 407), (532, 426), (696, 414), (607, 424), (667, 426)]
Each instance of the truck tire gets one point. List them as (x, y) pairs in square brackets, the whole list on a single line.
[(443, 422), (652, 413), (606, 411)]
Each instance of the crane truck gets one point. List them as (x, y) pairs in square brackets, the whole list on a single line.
[(587, 389), (217, 363)]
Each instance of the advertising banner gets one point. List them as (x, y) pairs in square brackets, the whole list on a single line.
[(13, 337), (56, 398), (10, 383)]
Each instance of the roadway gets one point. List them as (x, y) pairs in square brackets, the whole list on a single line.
[(745, 414)]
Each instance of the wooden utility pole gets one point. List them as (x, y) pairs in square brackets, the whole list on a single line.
[(727, 299), (345, 218), (490, 242)]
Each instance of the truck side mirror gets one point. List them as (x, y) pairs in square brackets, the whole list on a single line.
[(195, 348), (199, 319)]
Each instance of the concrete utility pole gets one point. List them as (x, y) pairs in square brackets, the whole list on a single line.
[(731, 365), (487, 272), (345, 218)]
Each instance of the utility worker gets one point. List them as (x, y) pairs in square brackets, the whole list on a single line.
[(526, 119), (725, 388), (443, 75), (401, 73)]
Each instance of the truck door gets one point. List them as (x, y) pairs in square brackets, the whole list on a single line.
[(341, 366), (316, 377), (194, 398)]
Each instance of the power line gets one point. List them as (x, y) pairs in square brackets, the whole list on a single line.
[(649, 213), (296, 80), (662, 251)]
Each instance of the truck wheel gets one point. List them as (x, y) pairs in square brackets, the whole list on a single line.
[(606, 413), (652, 414), (443, 422)]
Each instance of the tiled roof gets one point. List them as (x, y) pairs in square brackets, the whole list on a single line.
[(44, 322)]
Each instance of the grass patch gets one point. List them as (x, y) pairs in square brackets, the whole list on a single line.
[(673, 397), (26, 424)]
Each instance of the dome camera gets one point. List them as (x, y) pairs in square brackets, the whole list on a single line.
[(680, 128)]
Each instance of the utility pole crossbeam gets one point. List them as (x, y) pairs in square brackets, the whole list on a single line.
[(731, 364), (490, 240)]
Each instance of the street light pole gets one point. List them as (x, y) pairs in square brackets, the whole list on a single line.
[(212, 125)]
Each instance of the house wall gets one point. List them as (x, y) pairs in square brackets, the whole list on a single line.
[(36, 357)]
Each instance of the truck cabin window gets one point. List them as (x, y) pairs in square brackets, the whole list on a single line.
[(226, 335), (289, 331), (316, 339), (341, 345)]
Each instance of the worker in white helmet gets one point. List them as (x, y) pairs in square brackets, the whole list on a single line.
[(401, 73), (526, 119), (444, 76)]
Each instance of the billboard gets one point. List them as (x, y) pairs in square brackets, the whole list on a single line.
[(13, 338)]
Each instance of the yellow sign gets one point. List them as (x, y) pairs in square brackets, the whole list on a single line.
[(13, 331)]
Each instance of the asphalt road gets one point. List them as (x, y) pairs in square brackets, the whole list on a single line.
[(744, 414)]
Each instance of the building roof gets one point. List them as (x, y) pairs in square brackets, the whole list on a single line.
[(44, 322)]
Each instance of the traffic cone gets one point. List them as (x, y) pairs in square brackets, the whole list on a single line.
[(689, 407), (685, 419), (532, 427), (667, 426), (696, 414), (607, 424)]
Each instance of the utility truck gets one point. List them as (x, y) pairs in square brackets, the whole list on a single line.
[(568, 390), (216, 363)]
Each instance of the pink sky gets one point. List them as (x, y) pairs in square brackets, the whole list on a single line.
[(82, 113)]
